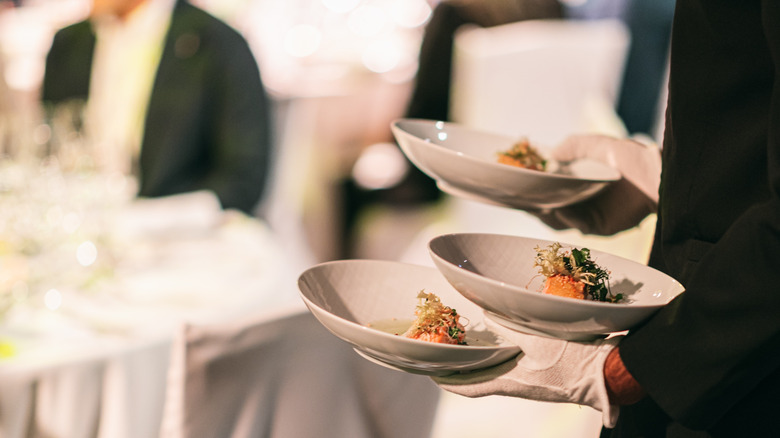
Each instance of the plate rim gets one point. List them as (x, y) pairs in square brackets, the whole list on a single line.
[(539, 295), (403, 340), (494, 165)]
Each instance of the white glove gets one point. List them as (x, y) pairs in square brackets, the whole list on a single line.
[(638, 161), (549, 370), (621, 205)]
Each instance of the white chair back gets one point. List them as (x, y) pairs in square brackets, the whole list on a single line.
[(542, 79)]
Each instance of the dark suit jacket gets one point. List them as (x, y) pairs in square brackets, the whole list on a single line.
[(710, 361), (208, 121)]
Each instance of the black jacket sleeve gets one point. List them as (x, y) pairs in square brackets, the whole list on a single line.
[(712, 356)]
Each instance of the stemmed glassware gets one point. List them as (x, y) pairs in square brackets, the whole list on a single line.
[(56, 210)]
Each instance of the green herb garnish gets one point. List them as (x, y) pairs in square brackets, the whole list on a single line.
[(578, 265)]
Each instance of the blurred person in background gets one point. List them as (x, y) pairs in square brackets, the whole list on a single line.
[(708, 363), (650, 25), (431, 94), (172, 94)]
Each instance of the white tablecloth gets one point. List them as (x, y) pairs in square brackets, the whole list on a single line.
[(85, 359)]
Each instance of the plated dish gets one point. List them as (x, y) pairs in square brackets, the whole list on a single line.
[(465, 160), (499, 274), (365, 302)]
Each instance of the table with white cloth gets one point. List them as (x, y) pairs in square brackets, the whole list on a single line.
[(92, 294)]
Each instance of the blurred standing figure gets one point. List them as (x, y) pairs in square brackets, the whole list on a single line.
[(431, 95), (650, 22), (172, 94)]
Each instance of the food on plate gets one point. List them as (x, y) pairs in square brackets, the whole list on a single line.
[(573, 274), (436, 322), (522, 154)]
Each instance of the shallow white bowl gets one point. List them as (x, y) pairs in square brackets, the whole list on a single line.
[(348, 295), (463, 160), (497, 273)]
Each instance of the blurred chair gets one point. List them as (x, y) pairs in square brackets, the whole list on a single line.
[(544, 79), (284, 375)]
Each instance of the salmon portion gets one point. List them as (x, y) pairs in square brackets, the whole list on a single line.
[(442, 334), (436, 322), (564, 286), (522, 154), (506, 159)]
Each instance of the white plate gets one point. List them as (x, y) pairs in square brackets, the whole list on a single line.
[(450, 190), (497, 273), (466, 160), (348, 295)]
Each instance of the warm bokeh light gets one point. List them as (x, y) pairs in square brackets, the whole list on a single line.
[(340, 6), (382, 55), (86, 253), (411, 13), (368, 21), (52, 299), (380, 166), (302, 40)]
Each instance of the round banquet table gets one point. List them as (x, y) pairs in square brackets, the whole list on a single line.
[(85, 345)]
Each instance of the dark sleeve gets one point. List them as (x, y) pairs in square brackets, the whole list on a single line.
[(431, 95), (241, 128), (719, 342), (68, 64)]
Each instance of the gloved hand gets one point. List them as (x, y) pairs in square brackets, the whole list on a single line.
[(621, 205), (550, 370)]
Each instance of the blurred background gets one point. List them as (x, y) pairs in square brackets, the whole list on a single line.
[(337, 72)]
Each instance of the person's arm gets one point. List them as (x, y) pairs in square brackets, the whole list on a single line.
[(68, 64), (241, 130), (715, 346)]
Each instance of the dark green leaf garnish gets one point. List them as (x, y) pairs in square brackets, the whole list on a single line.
[(578, 265)]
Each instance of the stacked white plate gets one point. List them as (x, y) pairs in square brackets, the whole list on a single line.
[(370, 303), (365, 302), (497, 273)]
